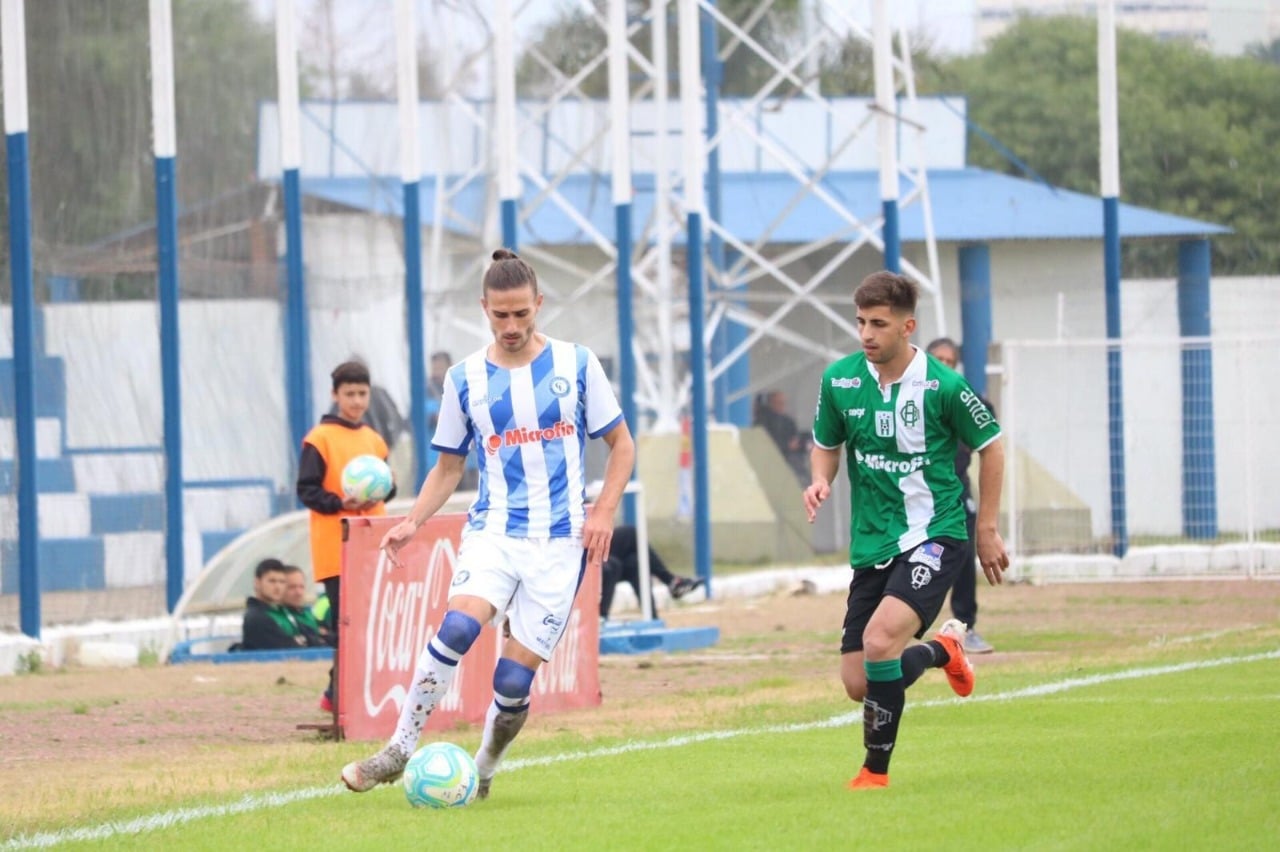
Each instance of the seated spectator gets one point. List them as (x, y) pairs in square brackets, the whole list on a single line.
[(624, 564), (268, 625), (772, 416), (295, 601)]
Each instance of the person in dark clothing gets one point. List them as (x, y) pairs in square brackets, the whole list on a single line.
[(268, 626), (771, 415), (624, 564), (964, 594)]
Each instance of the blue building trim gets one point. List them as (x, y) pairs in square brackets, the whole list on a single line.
[(23, 382)]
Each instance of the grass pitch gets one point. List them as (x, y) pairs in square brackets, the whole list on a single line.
[(1153, 746)]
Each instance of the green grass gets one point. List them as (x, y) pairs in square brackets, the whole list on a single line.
[(1162, 761)]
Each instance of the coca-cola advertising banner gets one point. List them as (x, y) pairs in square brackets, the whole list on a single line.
[(389, 613)]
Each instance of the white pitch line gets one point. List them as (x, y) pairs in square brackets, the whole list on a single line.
[(261, 801)]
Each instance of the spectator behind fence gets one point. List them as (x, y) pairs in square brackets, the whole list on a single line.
[(624, 564), (964, 594), (772, 416), (268, 626), (295, 602)]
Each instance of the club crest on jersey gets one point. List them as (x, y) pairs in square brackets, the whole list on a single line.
[(559, 386), (515, 437), (884, 424)]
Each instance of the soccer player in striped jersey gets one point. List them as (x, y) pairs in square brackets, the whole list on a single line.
[(529, 404), (898, 414)]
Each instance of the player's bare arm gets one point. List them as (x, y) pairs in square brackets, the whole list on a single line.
[(597, 531), (823, 466), (992, 555), (440, 483)]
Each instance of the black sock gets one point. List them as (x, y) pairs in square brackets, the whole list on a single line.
[(917, 658), (881, 712)]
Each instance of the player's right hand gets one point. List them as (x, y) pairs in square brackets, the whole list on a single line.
[(396, 538), (814, 496)]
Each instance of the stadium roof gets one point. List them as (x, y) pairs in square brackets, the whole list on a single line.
[(969, 205)]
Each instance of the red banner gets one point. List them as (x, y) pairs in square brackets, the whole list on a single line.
[(389, 614)]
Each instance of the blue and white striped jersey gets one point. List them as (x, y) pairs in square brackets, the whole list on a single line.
[(531, 426)]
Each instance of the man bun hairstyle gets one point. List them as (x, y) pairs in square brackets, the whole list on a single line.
[(350, 373), (509, 272), (896, 291)]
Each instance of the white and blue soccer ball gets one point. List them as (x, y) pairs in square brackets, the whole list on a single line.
[(366, 478), (440, 775)]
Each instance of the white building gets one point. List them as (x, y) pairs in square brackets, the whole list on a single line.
[(1223, 26)]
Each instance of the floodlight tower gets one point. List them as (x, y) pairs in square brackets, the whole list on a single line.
[(754, 283)]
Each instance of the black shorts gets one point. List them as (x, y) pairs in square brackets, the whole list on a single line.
[(921, 578)]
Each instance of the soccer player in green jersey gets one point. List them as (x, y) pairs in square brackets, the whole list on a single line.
[(899, 414)]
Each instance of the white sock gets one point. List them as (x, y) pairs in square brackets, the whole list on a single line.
[(431, 680)]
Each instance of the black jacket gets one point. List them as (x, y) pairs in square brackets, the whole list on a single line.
[(269, 628)]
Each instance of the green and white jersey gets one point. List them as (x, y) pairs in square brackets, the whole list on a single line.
[(901, 447)]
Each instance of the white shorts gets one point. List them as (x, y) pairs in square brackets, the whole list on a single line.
[(530, 581)]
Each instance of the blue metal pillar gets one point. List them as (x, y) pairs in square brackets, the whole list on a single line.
[(698, 371), (712, 74), (24, 389), (975, 313), (415, 328), (626, 328), (170, 373), (13, 41), (1199, 482), (509, 224), (297, 334), (1115, 384)]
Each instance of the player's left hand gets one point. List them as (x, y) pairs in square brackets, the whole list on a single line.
[(992, 555)]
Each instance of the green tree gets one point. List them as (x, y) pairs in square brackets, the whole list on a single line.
[(1197, 131), (90, 134)]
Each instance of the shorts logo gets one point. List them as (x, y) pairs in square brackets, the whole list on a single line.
[(553, 622), (884, 424), (461, 577), (920, 576), (847, 383), (560, 386), (928, 554)]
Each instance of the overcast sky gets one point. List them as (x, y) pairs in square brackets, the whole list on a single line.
[(366, 27)]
